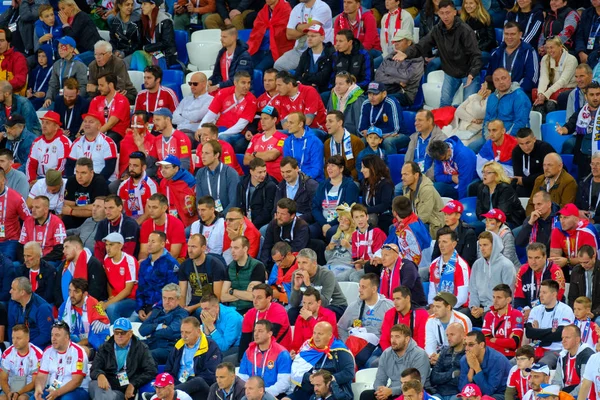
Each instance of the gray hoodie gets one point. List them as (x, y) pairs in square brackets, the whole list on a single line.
[(486, 275), (391, 367), (324, 281), (64, 69), (372, 320)]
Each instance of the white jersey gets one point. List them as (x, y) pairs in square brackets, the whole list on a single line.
[(48, 155), (16, 365), (61, 367), (56, 200), (179, 395), (592, 373), (435, 332), (101, 149), (213, 234), (320, 12), (561, 315)]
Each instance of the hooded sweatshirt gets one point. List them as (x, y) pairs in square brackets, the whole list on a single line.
[(39, 77), (180, 191), (391, 366), (371, 318), (486, 274)]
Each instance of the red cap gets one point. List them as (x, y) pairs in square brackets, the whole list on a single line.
[(470, 390), (52, 117), (164, 380), (316, 28), (569, 210), (495, 213), (98, 116), (453, 206)]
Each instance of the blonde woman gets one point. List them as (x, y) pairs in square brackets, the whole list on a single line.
[(339, 251), (557, 76), (497, 192), (473, 13), (347, 97), (80, 27)]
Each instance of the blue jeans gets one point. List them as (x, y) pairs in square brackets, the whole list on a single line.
[(123, 308), (76, 394), (433, 65), (236, 140), (446, 190), (373, 361), (377, 57), (477, 144), (263, 60), (393, 144), (451, 85), (9, 249)]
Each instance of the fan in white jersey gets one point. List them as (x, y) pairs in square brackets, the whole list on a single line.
[(165, 389), (538, 376), (64, 368), (20, 364)]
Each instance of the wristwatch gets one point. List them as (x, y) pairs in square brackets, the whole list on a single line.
[(231, 291)]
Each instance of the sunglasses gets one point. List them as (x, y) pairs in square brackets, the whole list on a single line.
[(193, 83), (388, 247)]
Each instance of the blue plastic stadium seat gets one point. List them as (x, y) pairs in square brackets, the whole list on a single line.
[(395, 163), (419, 98), (470, 204), (499, 35), (556, 116), (181, 38), (569, 165), (258, 87), (408, 122), (148, 388), (550, 135), (240, 159), (173, 79)]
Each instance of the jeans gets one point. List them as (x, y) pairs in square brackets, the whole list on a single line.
[(123, 308), (373, 361), (451, 85), (76, 394), (477, 144), (100, 394), (446, 190), (377, 57), (9, 249), (394, 144), (263, 60), (236, 140), (160, 355), (433, 65), (196, 387)]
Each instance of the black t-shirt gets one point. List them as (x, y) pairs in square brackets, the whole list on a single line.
[(212, 270), (83, 196)]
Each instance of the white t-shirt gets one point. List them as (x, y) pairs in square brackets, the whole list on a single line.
[(62, 366), (100, 150), (302, 15), (561, 315), (213, 234), (592, 373), (179, 395), (16, 365), (56, 200)]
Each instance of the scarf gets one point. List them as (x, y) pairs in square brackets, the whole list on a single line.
[(310, 357), (446, 274), (390, 279), (577, 99), (342, 101), (407, 240), (344, 23), (450, 167), (79, 324), (346, 146), (75, 269), (589, 126), (386, 25)]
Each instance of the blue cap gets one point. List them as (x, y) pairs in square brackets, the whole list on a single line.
[(375, 130), (170, 159), (122, 324), (67, 40), (376, 87), (270, 110), (164, 112)]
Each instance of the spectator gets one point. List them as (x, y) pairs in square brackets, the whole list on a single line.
[(229, 13), (529, 16), (76, 68), (192, 108), (518, 378), (207, 132), (470, 114), (64, 366), (561, 186), (272, 20), (388, 118), (40, 273), (15, 179), (51, 234), (75, 25), (208, 178), (397, 19), (458, 50), (211, 225), (496, 192), (52, 187), (234, 54), (255, 194), (116, 111), (422, 194), (342, 142), (498, 148), (117, 222), (237, 225), (351, 56), (575, 355), (171, 142), (361, 22), (405, 312), (297, 186), (583, 77), (135, 191), (442, 317), (106, 63), (87, 230), (222, 324), (366, 240), (19, 141), (29, 309), (267, 146), (270, 88), (47, 30), (194, 359), (15, 209), (467, 240), (255, 389), (495, 222), (477, 17), (454, 167), (347, 98), (13, 104), (588, 378), (446, 364), (124, 28), (505, 336), (285, 264), (155, 95), (538, 378), (157, 206), (295, 97), (162, 326), (304, 145), (582, 308), (583, 279), (227, 382), (548, 330), (537, 228), (586, 198), (158, 39), (392, 276), (178, 187), (14, 63), (516, 54), (377, 189), (561, 22), (21, 360), (426, 132), (316, 73), (311, 313), (338, 255), (527, 161), (69, 108)]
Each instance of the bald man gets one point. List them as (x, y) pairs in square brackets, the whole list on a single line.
[(193, 108), (445, 371), (556, 181), (340, 365)]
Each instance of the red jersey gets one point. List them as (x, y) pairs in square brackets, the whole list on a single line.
[(266, 99), (250, 232), (173, 228), (364, 245), (281, 323), (182, 199), (178, 145), (47, 154), (49, 234), (231, 110), (303, 329), (570, 376), (120, 273), (12, 207), (503, 153), (128, 146), (228, 157), (517, 381), (507, 329), (163, 97), (571, 241), (528, 282), (414, 319), (307, 101), (260, 143), (118, 107), (589, 331), (135, 196)]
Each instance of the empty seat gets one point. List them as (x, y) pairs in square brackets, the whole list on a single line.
[(535, 123), (137, 78), (203, 55), (207, 36), (350, 290)]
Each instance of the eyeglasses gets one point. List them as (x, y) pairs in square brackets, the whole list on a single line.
[(388, 247), (194, 83), (100, 54), (61, 324), (121, 333)]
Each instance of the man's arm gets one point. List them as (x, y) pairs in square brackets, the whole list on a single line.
[(73, 384), (123, 294), (175, 250), (40, 384), (4, 382), (245, 294), (70, 208)]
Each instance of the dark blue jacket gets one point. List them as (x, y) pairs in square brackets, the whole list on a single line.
[(349, 195), (206, 359), (390, 119), (441, 373), (22, 106), (41, 29), (465, 160), (530, 22), (341, 366), (165, 337), (525, 68), (241, 61), (37, 315), (184, 175), (81, 107), (493, 375), (588, 24), (152, 278), (23, 146), (7, 275), (357, 63), (45, 279)]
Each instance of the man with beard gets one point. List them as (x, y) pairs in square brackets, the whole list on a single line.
[(539, 375), (114, 106), (117, 222), (137, 189), (137, 139), (155, 95), (160, 220), (19, 140), (171, 142), (70, 106)]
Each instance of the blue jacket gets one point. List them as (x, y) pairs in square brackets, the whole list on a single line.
[(390, 119), (512, 109), (275, 370), (241, 61), (525, 69), (164, 337), (465, 161), (349, 195), (7, 275), (228, 328), (37, 314), (588, 25), (441, 373), (206, 359), (184, 175), (41, 29), (152, 278), (531, 23), (22, 106), (357, 63), (308, 151), (493, 376), (228, 188), (23, 146)]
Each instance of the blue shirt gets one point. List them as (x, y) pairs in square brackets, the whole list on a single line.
[(121, 355), (421, 148), (187, 360), (292, 190)]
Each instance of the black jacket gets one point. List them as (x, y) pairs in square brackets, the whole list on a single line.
[(357, 63), (239, 391), (533, 160), (261, 202), (486, 36), (80, 30), (7, 275), (276, 233), (457, 49), (45, 280), (126, 40), (578, 287), (441, 373), (505, 198), (543, 232), (320, 76), (380, 202), (206, 359), (164, 33), (141, 368), (582, 200), (241, 61), (303, 197), (97, 281), (466, 243)]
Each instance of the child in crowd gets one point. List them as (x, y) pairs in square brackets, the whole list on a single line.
[(338, 253), (518, 377), (39, 77), (366, 241), (47, 30), (374, 140), (582, 308)]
